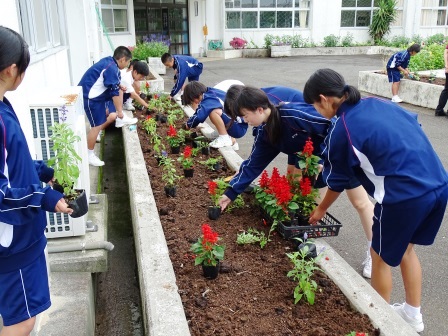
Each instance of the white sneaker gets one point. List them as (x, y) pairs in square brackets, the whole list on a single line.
[(415, 322), (95, 161), (221, 142), (100, 135), (367, 270), (235, 146), (128, 106), (396, 99), (120, 122)]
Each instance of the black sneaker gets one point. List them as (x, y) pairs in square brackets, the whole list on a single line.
[(441, 114)]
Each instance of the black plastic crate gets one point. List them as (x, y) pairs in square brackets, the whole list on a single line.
[(328, 226)]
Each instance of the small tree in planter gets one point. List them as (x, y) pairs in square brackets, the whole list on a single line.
[(169, 176), (208, 252), (65, 164)]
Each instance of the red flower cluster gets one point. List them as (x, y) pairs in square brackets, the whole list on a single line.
[(172, 131), (148, 117), (187, 152), (147, 86), (210, 237), (212, 185), (278, 186), (305, 186), (156, 96), (308, 148)]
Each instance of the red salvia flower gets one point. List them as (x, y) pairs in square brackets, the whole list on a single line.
[(172, 131), (305, 186), (156, 96), (212, 185), (148, 117), (264, 179), (308, 148), (187, 152), (147, 85)]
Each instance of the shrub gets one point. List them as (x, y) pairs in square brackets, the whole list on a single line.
[(154, 45), (399, 41), (347, 40), (437, 38), (429, 58), (238, 43), (298, 41), (331, 41), (382, 19)]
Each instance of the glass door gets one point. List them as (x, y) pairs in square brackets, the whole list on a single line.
[(164, 17)]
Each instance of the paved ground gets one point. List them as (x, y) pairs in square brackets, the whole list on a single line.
[(293, 72)]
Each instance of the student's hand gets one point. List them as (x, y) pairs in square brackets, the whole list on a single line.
[(123, 88), (224, 201), (316, 215), (62, 206), (51, 182)]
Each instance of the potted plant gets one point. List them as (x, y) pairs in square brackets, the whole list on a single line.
[(214, 211), (174, 140), (238, 43), (213, 164), (65, 164), (169, 176), (151, 50), (208, 252), (186, 161)]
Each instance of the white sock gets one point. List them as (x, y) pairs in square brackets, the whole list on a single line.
[(224, 136), (91, 152), (410, 310), (369, 244)]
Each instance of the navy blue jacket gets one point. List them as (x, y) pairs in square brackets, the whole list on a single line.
[(22, 198), (279, 94), (299, 121), (186, 67), (385, 148), (400, 58)]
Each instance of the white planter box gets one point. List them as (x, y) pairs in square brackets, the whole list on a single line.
[(157, 65), (412, 92), (228, 53), (281, 51)]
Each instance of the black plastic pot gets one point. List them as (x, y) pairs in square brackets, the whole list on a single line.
[(188, 172), (210, 272), (175, 150), (79, 205), (163, 118), (214, 212), (217, 166), (205, 150), (170, 191), (310, 249)]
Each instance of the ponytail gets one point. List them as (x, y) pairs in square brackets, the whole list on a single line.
[(329, 83)]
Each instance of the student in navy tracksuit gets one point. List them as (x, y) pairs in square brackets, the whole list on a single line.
[(208, 102), (103, 97), (385, 148), (282, 129), (399, 63), (355, 192), (185, 67), (24, 290)]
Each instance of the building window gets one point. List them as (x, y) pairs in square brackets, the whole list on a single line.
[(434, 13), (114, 14), (358, 13), (271, 14), (42, 24)]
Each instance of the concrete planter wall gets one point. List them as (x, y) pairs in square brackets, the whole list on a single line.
[(226, 54), (281, 51), (413, 92), (253, 53), (157, 65), (157, 84)]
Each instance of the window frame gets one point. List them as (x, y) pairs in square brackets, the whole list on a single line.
[(293, 9), (113, 7), (435, 12), (370, 9), (30, 29)]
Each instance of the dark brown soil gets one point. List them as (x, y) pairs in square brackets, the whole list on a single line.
[(252, 295)]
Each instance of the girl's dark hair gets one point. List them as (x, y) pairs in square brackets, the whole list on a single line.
[(329, 83), (121, 52), (252, 98), (141, 68), (13, 50), (414, 47), (193, 90), (230, 109), (133, 62)]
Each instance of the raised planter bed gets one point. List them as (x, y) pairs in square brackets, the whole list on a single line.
[(162, 308)]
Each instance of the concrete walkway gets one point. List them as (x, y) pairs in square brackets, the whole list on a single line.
[(350, 244)]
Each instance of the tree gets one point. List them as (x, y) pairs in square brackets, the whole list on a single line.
[(382, 19)]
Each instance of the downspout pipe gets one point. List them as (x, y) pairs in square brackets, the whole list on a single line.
[(105, 245)]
